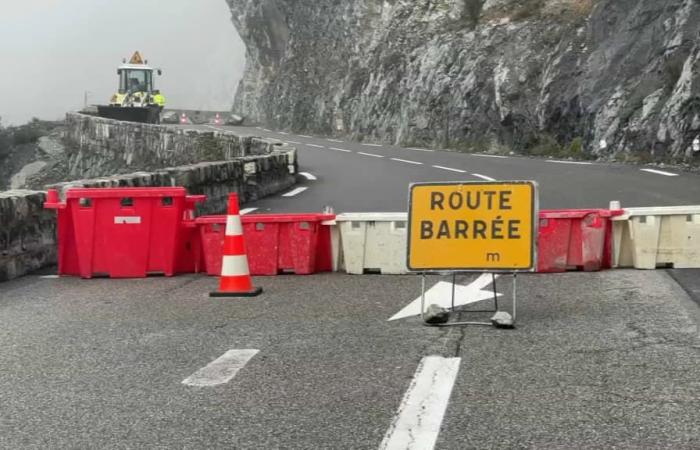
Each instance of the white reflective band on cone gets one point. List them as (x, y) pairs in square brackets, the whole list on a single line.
[(233, 226), (233, 266)]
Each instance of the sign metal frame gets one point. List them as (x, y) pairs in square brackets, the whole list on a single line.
[(534, 228)]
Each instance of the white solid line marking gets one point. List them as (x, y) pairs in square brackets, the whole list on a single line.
[(221, 370), (407, 161), (294, 192), (341, 150), (304, 136), (308, 176), (660, 172), (450, 169), (483, 177), (315, 145), (373, 145), (490, 156), (441, 295), (580, 163), (49, 277), (293, 142), (417, 422), (420, 149), (334, 140), (247, 211), (370, 154)]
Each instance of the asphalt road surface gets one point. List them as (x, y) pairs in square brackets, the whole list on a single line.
[(598, 360)]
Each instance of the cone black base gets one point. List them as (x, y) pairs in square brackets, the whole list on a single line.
[(254, 293)]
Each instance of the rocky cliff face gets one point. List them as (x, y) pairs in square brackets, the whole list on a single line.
[(606, 78)]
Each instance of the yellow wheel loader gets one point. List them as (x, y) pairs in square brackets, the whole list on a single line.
[(137, 100)]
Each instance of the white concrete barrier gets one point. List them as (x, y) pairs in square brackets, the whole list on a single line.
[(373, 242), (647, 238)]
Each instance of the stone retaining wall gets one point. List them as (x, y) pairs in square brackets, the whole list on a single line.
[(98, 147)]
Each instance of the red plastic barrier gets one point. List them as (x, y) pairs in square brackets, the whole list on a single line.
[(124, 232), (276, 243), (575, 239)]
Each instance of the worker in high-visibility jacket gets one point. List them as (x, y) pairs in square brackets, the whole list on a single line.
[(159, 99)]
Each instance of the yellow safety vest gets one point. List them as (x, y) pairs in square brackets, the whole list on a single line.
[(159, 99)]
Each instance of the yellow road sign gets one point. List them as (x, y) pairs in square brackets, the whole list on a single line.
[(480, 226), (136, 58)]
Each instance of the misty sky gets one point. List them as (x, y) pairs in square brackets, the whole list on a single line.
[(52, 51)]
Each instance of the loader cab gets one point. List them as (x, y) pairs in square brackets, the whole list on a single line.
[(135, 79)]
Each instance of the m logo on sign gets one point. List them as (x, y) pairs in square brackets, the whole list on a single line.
[(472, 226)]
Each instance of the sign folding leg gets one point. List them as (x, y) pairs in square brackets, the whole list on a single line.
[(494, 322)]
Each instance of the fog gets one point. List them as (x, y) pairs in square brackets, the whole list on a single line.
[(53, 52)]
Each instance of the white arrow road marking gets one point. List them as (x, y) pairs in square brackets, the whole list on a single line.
[(294, 192), (441, 295), (308, 176), (221, 370), (418, 420), (660, 172)]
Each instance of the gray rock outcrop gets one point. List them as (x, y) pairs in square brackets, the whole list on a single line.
[(602, 78)]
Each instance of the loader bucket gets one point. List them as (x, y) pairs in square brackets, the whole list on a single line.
[(148, 114)]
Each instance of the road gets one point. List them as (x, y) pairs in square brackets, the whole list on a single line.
[(598, 360), (356, 177)]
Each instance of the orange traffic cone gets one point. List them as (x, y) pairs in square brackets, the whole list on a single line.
[(183, 119), (217, 119), (235, 275)]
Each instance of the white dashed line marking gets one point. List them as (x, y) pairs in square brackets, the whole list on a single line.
[(294, 192), (580, 163), (660, 172), (370, 154), (304, 136), (420, 149), (221, 370), (315, 145), (450, 169), (259, 128), (417, 422), (49, 277), (334, 140), (282, 132), (407, 161), (490, 156), (341, 150), (308, 176), (373, 145), (247, 211), (483, 177), (265, 129), (293, 142)]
